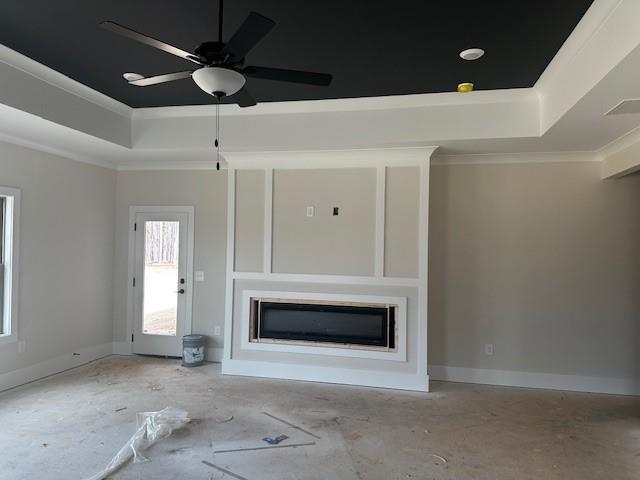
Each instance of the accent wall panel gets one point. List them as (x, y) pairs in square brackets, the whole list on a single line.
[(324, 243), (249, 235), (402, 206)]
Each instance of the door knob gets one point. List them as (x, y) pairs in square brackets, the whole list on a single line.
[(181, 290)]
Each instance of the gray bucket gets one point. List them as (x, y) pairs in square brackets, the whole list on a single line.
[(193, 350)]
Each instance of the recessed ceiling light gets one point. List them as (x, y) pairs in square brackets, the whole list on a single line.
[(471, 53), (465, 87), (130, 77)]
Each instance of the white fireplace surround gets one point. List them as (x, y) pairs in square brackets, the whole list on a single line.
[(399, 355), (405, 368)]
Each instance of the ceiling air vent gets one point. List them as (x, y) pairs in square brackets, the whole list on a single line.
[(626, 106)]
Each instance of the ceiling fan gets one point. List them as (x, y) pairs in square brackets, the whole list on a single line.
[(221, 71)]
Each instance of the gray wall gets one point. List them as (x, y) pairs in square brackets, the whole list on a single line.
[(66, 255), (402, 215), (249, 234), (543, 261), (206, 190)]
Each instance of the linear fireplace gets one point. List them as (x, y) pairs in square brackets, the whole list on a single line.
[(367, 325), (325, 324)]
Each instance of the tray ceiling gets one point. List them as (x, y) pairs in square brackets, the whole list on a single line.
[(372, 48)]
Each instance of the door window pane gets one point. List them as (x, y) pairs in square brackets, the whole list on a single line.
[(160, 308)]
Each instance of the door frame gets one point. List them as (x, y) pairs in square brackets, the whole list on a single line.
[(133, 211)]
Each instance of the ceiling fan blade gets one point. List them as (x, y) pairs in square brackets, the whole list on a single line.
[(254, 28), (167, 77), (243, 98), (284, 75), (152, 42)]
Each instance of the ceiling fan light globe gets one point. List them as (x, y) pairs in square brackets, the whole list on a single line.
[(218, 79)]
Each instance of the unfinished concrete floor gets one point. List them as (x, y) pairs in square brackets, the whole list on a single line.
[(69, 426)]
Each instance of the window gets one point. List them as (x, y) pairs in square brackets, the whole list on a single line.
[(9, 221)]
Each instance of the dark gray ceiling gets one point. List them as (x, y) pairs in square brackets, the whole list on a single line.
[(371, 47)]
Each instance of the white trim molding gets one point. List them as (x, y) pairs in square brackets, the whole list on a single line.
[(399, 355), (214, 354), (620, 157), (514, 158), (121, 348), (136, 209), (229, 284), (354, 158), (550, 381), (313, 373), (322, 278), (385, 102), (423, 256), (54, 366), (10, 281)]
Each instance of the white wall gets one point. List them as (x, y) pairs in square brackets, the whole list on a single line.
[(206, 190), (66, 254), (543, 261)]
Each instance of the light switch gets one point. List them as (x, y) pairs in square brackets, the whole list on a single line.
[(199, 276), (311, 211)]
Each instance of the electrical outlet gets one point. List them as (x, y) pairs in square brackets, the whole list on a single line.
[(488, 348), (22, 346), (199, 276), (311, 211), (216, 331)]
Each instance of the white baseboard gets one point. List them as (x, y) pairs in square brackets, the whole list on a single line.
[(509, 378), (312, 373), (55, 365), (552, 381), (214, 354), (121, 348)]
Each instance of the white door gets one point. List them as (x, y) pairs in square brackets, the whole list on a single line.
[(162, 281)]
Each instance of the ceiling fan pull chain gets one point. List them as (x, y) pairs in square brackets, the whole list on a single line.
[(217, 142)]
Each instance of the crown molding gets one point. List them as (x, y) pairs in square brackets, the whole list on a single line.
[(58, 80), (356, 158), (352, 158), (621, 156), (10, 139), (624, 141), (389, 102), (160, 165), (586, 29)]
